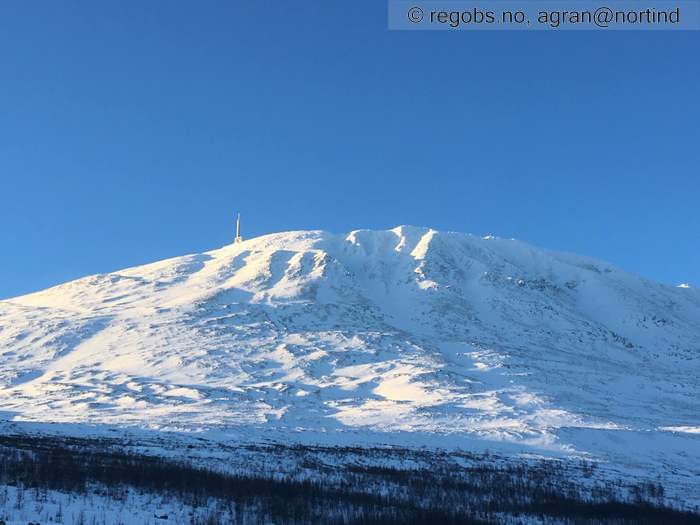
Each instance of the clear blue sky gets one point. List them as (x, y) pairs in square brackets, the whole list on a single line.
[(132, 131)]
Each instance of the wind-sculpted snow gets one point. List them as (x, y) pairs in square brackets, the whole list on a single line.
[(408, 336)]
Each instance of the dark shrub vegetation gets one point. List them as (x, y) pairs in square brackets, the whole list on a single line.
[(354, 494)]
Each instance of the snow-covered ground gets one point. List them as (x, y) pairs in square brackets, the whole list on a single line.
[(19, 506), (410, 337)]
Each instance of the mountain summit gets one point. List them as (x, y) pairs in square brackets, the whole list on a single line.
[(408, 336)]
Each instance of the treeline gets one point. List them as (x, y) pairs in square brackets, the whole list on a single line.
[(354, 494)]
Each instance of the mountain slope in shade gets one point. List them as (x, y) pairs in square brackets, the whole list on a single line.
[(409, 336)]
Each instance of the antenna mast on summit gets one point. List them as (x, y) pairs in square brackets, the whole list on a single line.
[(238, 229)]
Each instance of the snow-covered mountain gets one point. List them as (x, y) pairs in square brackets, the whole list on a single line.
[(410, 337)]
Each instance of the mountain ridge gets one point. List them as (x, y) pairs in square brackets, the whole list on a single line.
[(402, 336)]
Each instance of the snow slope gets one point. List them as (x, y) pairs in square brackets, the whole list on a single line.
[(409, 336)]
